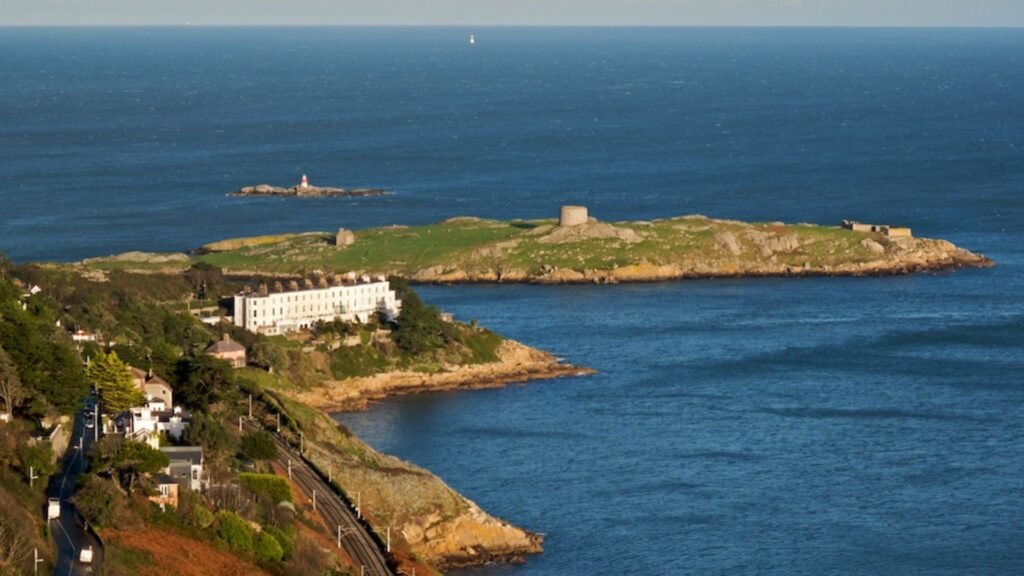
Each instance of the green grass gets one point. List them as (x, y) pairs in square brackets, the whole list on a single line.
[(485, 246)]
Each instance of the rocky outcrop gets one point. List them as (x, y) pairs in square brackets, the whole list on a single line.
[(518, 363), (305, 192)]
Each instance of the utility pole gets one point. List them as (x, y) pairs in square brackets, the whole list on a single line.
[(314, 500), (339, 536), (32, 476), (278, 422), (240, 423), (35, 565), (96, 421), (359, 505), (302, 443), (389, 540), (330, 473), (289, 468), (250, 405)]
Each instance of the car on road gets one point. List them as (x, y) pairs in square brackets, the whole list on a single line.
[(52, 509), (89, 423), (86, 555)]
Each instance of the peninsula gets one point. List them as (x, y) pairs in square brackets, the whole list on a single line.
[(575, 249), (305, 190)]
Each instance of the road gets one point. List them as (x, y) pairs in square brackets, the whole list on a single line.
[(354, 537), (68, 531)]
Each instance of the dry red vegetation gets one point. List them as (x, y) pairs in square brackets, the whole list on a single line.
[(176, 554)]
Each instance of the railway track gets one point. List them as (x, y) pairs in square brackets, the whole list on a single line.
[(352, 536)]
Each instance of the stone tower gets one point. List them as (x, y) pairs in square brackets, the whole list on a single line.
[(572, 216)]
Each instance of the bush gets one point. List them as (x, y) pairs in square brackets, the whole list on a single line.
[(258, 446), (267, 548), (283, 539), (201, 518), (275, 488), (235, 531)]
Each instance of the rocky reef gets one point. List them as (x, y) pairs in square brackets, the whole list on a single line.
[(305, 191)]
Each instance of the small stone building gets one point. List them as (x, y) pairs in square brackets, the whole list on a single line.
[(228, 349)]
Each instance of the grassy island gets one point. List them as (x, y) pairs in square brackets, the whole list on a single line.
[(469, 249)]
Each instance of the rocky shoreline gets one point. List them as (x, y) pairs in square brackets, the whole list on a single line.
[(942, 261), (305, 191), (518, 364)]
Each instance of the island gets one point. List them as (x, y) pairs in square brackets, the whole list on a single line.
[(575, 248), (305, 190)]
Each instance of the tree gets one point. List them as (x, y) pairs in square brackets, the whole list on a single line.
[(420, 327), (11, 390), (113, 380), (36, 458), (207, 432), (202, 380), (258, 446), (98, 500), (127, 462)]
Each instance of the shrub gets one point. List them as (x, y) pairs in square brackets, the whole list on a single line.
[(267, 548), (234, 531), (282, 538), (275, 488), (201, 518)]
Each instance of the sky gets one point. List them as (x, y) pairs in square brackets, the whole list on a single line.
[(970, 13)]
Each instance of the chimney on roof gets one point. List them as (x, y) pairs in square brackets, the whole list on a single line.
[(293, 285), (226, 337), (263, 289), (278, 287), (307, 283), (323, 282)]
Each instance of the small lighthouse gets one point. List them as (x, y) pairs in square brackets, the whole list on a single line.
[(304, 183)]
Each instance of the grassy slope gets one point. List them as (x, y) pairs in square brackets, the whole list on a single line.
[(471, 244)]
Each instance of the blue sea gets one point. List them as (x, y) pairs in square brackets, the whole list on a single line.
[(771, 426)]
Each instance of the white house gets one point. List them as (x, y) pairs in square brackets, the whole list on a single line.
[(282, 311), (146, 423)]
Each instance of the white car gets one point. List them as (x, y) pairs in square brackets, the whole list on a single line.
[(86, 556), (52, 508)]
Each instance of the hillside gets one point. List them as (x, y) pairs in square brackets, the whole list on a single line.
[(541, 251)]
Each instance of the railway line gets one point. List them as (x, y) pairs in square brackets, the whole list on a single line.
[(352, 536)]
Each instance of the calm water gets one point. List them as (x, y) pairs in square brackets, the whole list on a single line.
[(856, 426)]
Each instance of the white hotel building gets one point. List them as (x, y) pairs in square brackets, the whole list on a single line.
[(283, 311)]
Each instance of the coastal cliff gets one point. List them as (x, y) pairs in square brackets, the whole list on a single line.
[(431, 523)]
